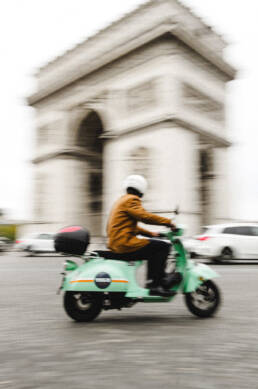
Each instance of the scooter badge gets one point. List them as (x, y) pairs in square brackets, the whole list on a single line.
[(102, 280)]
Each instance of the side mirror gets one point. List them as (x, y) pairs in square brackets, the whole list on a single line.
[(70, 265)]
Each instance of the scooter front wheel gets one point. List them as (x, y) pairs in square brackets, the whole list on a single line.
[(205, 300), (82, 307)]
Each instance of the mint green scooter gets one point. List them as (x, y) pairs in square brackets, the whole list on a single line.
[(102, 283)]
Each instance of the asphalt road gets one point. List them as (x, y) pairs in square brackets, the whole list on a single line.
[(146, 346)]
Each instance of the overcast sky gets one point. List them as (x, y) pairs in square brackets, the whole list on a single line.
[(32, 32)]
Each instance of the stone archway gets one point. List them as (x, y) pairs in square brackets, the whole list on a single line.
[(88, 140)]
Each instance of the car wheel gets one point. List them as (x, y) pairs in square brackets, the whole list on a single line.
[(31, 252), (226, 254), (27, 251)]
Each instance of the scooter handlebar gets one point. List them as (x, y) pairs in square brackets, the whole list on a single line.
[(175, 232), (162, 234)]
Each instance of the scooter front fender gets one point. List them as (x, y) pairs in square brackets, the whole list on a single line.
[(195, 275)]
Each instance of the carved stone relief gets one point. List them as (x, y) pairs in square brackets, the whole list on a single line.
[(141, 96), (42, 136), (48, 134), (139, 162), (199, 102), (40, 199)]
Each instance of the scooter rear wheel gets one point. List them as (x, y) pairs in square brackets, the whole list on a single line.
[(82, 307), (205, 300)]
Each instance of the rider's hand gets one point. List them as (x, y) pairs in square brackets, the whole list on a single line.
[(155, 234), (172, 226)]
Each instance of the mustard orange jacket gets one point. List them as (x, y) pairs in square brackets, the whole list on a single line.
[(122, 224)]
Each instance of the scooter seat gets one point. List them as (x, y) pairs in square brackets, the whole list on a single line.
[(107, 254)]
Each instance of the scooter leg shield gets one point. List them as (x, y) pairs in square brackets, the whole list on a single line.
[(195, 276)]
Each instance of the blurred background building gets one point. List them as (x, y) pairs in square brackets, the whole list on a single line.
[(145, 95)]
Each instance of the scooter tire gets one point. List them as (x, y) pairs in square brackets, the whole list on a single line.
[(190, 300), (82, 307)]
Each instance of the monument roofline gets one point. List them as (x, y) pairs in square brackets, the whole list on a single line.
[(123, 19), (170, 21)]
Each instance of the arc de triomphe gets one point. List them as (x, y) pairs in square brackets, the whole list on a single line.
[(146, 95)]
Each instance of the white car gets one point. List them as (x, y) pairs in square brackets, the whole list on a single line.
[(36, 243), (226, 242)]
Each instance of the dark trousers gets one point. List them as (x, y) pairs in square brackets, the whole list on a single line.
[(156, 253)]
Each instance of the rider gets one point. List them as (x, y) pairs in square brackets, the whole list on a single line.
[(122, 233)]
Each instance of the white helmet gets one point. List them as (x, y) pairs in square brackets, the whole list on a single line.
[(137, 182)]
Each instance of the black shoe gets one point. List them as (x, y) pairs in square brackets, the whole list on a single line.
[(171, 279), (160, 291)]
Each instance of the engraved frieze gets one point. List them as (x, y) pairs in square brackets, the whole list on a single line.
[(48, 134), (141, 96), (200, 102)]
